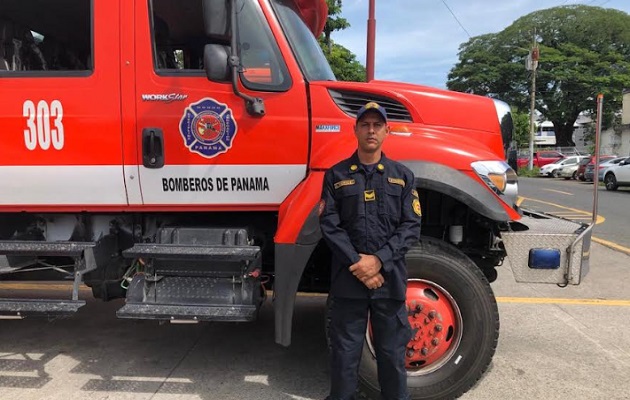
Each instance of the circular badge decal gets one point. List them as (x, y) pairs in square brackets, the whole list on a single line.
[(208, 128)]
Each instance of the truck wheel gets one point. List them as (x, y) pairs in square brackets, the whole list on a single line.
[(453, 314), (610, 181)]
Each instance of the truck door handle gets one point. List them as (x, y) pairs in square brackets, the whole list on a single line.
[(152, 148)]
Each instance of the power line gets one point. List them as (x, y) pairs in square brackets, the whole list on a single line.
[(456, 19)]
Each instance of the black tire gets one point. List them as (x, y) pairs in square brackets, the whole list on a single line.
[(554, 173), (574, 176), (446, 267), (610, 181)]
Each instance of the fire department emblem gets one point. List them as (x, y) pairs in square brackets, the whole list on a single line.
[(208, 128)]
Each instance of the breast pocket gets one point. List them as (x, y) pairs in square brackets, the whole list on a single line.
[(390, 201), (350, 203)]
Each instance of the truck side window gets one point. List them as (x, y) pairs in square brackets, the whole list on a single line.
[(179, 39), (44, 38)]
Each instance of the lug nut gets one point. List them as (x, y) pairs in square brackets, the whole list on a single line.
[(435, 341), (438, 328), (424, 351), (432, 314), (419, 308), (410, 353)]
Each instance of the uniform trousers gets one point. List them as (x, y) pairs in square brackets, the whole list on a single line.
[(390, 332)]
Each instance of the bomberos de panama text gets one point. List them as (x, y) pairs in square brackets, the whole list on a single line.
[(240, 184)]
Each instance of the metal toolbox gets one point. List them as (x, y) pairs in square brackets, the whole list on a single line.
[(546, 249)]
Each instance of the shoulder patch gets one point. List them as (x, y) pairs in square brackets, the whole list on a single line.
[(414, 192), (416, 207), (396, 181), (347, 182)]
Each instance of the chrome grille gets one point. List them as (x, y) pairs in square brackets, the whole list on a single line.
[(350, 103)]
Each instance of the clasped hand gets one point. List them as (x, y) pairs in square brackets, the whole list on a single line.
[(367, 270)]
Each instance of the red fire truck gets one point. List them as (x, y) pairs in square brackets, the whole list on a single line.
[(171, 152)]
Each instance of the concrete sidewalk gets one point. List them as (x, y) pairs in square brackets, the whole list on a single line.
[(569, 351)]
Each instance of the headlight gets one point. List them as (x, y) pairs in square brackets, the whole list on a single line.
[(499, 177)]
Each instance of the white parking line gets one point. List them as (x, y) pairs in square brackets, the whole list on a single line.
[(558, 191)]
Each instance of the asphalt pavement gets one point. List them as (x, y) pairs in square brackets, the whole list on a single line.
[(574, 200)]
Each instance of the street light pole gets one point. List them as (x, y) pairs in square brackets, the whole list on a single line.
[(532, 127), (371, 41), (532, 65)]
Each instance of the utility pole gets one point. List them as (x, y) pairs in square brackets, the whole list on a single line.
[(532, 65), (371, 41)]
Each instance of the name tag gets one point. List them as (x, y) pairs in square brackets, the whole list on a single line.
[(396, 181), (347, 182)]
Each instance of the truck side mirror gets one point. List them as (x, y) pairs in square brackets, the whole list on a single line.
[(216, 19), (216, 62)]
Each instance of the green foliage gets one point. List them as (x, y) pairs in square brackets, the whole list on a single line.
[(521, 128), (583, 51), (527, 173), (343, 62), (333, 23)]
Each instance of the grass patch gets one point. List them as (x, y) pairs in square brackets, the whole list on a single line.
[(527, 173)]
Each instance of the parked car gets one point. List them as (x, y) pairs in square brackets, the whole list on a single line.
[(568, 171), (617, 175), (552, 169), (588, 173), (541, 158), (590, 160)]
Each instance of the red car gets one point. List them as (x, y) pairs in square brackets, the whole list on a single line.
[(540, 158), (590, 160)]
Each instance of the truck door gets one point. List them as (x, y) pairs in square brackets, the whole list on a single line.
[(60, 138), (197, 145)]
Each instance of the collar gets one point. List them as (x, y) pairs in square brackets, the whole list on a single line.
[(355, 164)]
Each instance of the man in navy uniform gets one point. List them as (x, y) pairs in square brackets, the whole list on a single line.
[(371, 216)]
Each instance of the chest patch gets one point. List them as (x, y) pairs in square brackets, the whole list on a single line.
[(370, 195), (347, 182), (396, 181)]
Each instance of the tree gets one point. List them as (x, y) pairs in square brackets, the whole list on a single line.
[(333, 23), (521, 127), (343, 62), (583, 51)]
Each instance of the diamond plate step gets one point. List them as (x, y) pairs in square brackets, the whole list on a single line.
[(22, 308)]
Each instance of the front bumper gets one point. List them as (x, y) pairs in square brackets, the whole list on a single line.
[(536, 233)]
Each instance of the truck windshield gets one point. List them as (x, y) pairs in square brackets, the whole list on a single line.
[(305, 47)]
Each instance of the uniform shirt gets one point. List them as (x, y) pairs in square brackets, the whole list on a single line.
[(375, 213)]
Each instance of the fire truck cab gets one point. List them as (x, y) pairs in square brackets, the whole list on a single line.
[(172, 153)]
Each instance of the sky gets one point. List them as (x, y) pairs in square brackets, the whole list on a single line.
[(417, 41)]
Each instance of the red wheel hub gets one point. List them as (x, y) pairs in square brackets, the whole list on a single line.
[(433, 321)]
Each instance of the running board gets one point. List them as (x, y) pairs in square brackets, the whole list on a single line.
[(22, 308), (39, 248), (85, 260), (191, 313), (192, 252)]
